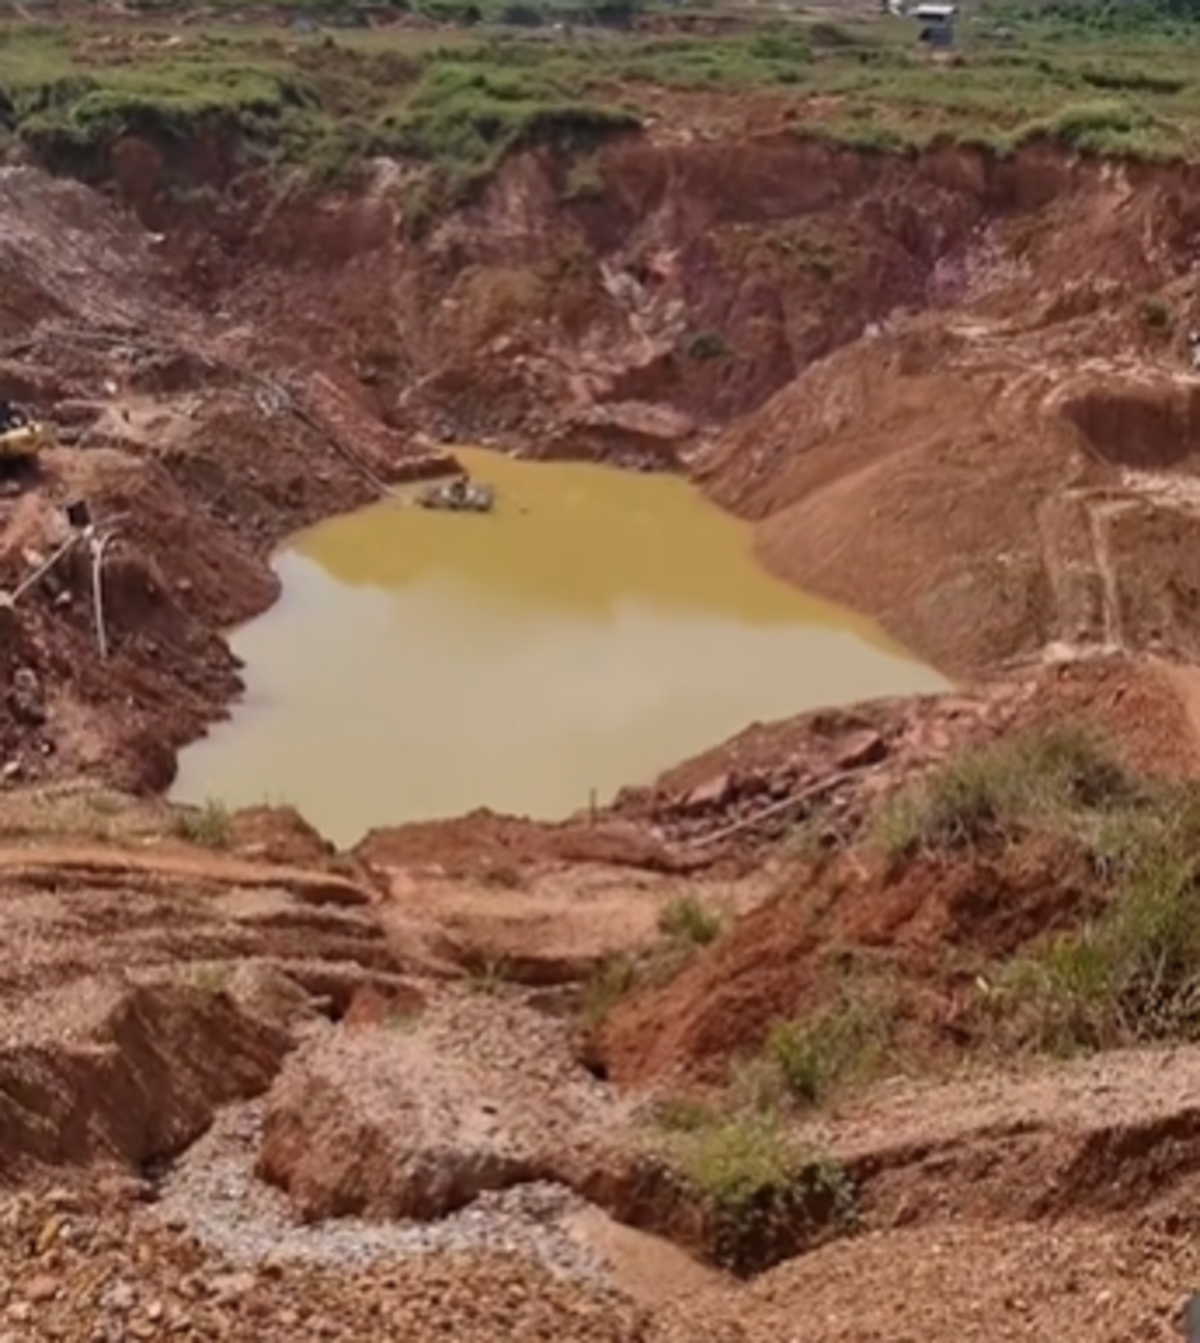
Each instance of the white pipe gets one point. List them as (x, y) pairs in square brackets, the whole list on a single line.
[(98, 545)]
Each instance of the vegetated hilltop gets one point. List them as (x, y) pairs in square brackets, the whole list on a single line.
[(794, 1012)]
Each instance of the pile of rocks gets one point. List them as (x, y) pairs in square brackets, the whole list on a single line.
[(823, 770), (88, 1265)]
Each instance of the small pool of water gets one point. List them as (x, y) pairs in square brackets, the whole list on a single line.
[(597, 628)]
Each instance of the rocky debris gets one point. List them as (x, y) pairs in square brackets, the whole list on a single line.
[(832, 767), (81, 1263), (974, 1282), (214, 1193), (26, 698), (834, 764), (111, 1071), (641, 421), (416, 1123)]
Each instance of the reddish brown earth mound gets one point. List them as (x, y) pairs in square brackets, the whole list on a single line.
[(911, 940), (913, 937), (106, 1098)]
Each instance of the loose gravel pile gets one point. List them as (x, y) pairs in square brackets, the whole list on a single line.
[(213, 1193), (76, 1268)]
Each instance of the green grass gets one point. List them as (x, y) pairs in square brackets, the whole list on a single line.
[(1131, 973), (210, 826), (762, 1190), (817, 1054), (461, 98), (1063, 777), (686, 921), (212, 976)]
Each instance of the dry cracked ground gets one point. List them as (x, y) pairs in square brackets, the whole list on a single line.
[(253, 1089)]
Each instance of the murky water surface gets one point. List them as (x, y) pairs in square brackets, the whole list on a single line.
[(596, 628)]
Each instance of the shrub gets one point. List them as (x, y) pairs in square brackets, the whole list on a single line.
[(814, 1055), (685, 920), (1132, 974), (210, 826), (763, 1191), (991, 794)]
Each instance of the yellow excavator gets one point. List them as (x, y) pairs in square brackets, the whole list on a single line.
[(21, 436)]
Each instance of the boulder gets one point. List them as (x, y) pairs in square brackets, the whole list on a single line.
[(365, 1126)]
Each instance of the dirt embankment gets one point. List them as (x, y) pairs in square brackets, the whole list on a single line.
[(906, 370), (952, 390), (213, 1023)]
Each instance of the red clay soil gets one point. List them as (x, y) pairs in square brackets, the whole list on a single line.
[(912, 937), (754, 280), (911, 941), (487, 844), (202, 463)]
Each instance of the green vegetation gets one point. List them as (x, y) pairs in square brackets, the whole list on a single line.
[(210, 826), (612, 980), (686, 921), (707, 345), (323, 99), (684, 1114), (764, 1192), (489, 977), (1131, 972), (212, 976), (815, 1055), (1061, 778), (816, 255)]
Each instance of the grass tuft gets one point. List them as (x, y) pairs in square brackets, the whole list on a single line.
[(995, 794), (686, 921), (814, 1056), (210, 826), (612, 981), (1131, 974), (763, 1190)]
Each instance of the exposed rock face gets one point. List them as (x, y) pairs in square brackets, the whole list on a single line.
[(147, 1069), (350, 1131), (398, 1122)]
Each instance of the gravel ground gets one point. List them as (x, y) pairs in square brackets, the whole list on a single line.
[(80, 1266), (213, 1194)]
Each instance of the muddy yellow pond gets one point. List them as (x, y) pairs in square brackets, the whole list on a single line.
[(596, 628)]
